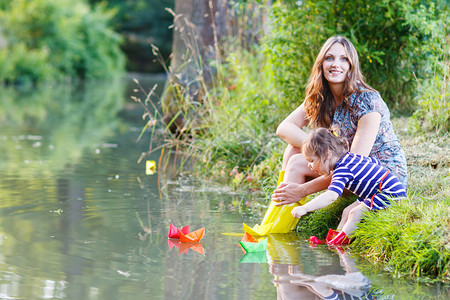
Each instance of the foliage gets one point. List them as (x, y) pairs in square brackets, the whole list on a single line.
[(433, 91), (394, 38), (24, 66), (215, 113), (433, 111), (142, 23), (70, 39), (241, 109)]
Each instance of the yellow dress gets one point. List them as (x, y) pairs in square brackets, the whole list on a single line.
[(278, 219)]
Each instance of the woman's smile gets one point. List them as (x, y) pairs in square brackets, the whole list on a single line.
[(336, 64)]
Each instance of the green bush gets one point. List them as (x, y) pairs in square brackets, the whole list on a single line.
[(238, 125), (72, 39), (433, 111), (24, 66)]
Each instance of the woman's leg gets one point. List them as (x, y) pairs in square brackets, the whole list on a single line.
[(288, 152), (296, 173), (296, 167)]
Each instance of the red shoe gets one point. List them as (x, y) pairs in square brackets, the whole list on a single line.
[(313, 240), (340, 239), (331, 234)]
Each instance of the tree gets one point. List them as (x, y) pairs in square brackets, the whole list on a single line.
[(142, 23), (199, 26)]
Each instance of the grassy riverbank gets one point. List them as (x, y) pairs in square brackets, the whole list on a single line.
[(410, 239), (237, 146)]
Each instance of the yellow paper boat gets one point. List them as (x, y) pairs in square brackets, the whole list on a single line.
[(278, 219), (258, 230), (150, 167)]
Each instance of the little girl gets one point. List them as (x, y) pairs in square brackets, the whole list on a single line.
[(328, 155)]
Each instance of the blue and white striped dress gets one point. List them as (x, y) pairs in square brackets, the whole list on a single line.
[(365, 177)]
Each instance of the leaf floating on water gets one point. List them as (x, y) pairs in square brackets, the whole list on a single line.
[(126, 274), (59, 211)]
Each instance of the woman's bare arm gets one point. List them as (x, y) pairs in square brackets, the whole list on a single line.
[(290, 129), (366, 133)]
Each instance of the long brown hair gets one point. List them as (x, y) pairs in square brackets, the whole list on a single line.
[(319, 98)]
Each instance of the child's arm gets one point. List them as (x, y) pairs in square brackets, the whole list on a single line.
[(320, 201)]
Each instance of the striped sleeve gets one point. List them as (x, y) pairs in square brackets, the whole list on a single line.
[(341, 176)]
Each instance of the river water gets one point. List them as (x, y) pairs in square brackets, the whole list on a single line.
[(80, 219)]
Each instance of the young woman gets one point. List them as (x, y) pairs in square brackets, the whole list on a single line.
[(337, 94), (327, 154)]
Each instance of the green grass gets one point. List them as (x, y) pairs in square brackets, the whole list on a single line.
[(410, 238)]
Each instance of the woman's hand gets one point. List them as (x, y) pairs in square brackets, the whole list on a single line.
[(288, 192), (299, 212)]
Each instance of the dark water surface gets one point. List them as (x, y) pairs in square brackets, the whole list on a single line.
[(80, 219)]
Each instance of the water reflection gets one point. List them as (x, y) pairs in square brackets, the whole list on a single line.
[(301, 272), (72, 117)]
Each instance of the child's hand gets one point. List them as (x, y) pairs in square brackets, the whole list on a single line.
[(299, 211)]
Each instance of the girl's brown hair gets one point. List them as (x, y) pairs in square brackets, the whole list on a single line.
[(319, 99), (320, 141)]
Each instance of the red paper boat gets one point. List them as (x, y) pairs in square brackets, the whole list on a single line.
[(174, 232), (193, 237)]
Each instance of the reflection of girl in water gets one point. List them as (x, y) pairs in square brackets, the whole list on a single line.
[(327, 154), (352, 285), (285, 264), (291, 283)]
